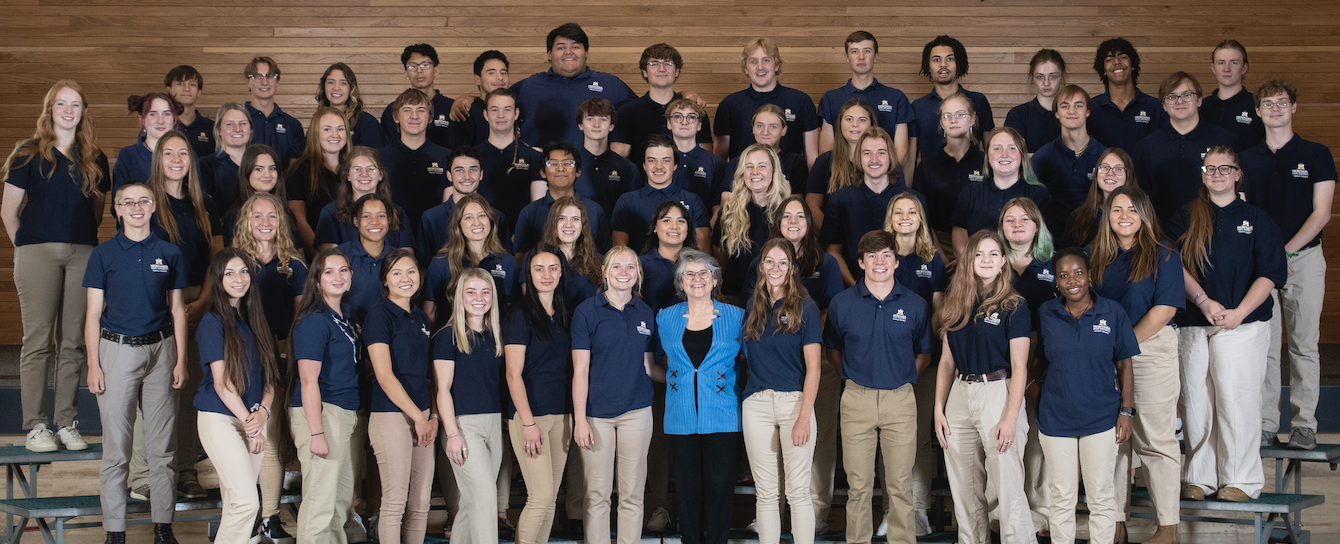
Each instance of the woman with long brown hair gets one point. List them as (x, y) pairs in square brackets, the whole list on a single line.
[(313, 181), (472, 243), (568, 228), (1114, 169), (361, 174), (338, 90), (828, 175)]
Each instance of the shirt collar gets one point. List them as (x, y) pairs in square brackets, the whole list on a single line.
[(396, 310), (585, 74), (864, 292), (276, 112), (127, 243)]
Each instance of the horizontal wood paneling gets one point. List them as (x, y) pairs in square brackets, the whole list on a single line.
[(115, 48)]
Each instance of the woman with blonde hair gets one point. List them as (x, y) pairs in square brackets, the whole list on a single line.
[(218, 170), (743, 224)]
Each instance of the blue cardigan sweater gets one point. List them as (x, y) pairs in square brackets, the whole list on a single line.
[(701, 400)]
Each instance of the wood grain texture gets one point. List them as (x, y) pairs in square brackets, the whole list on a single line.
[(116, 48)]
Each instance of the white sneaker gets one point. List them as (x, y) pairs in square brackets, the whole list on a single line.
[(883, 529), (752, 527), (40, 441), (922, 522), (70, 438), (354, 530), (659, 522), (292, 482)]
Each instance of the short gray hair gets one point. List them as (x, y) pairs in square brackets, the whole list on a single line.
[(687, 256)]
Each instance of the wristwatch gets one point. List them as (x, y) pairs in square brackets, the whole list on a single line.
[(1127, 411)]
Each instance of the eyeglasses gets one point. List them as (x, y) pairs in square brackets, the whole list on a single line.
[(958, 115), (701, 274), (1223, 170), (370, 170), (661, 64), (141, 203), (567, 163), (1282, 104), (273, 77), (683, 118), (412, 67), (1046, 77), (1184, 97), (780, 265), (1103, 169)]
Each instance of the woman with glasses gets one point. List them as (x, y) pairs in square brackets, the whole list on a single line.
[(1035, 119), (1114, 170), (1066, 164), (943, 173)]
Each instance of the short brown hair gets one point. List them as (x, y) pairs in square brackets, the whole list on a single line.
[(860, 36), (596, 107), (1074, 90), (1274, 86), (875, 240), (412, 97), (184, 73), (685, 104), (1175, 80), (250, 70), (769, 48), (660, 51)]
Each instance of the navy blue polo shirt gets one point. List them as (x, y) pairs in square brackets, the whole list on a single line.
[(139, 275), (1038, 125), (366, 289), (1281, 182), (435, 229), (891, 105), (1165, 287), (279, 130), (1037, 284), (475, 376), (506, 277), (57, 209), (545, 371), (638, 119), (508, 174), (1080, 396), (329, 338), (577, 288), (1245, 245), (133, 162), (735, 117), (921, 277), (926, 127), (823, 284), (618, 341), (736, 267), (209, 340), (367, 132), (700, 172), (417, 177), (439, 129), (635, 210), (820, 174), (329, 230), (219, 179), (530, 224), (979, 204), (605, 178), (406, 334), (474, 130), (1066, 175), (201, 135), (983, 345), (1237, 114), (194, 246), (1167, 164), (549, 102), (297, 186), (278, 291), (879, 339), (794, 169), (1124, 128), (658, 280), (777, 358), (942, 178), (853, 211)]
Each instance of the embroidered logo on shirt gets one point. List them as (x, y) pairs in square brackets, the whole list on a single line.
[(816, 275), (782, 319), (595, 87), (498, 271), (899, 316), (884, 106), (684, 204), (1089, 175), (204, 137), (642, 329), (1142, 118), (790, 116), (1301, 171), (1244, 118), (441, 121), (1047, 276), (976, 175), (1245, 227), (614, 176), (700, 173), (1102, 327), (424, 328), (279, 129), (521, 164), (924, 272), (435, 170), (993, 319), (158, 267)]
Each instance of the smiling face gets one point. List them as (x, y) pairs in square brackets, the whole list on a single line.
[(135, 206), (413, 119), (421, 72), (1124, 220), (769, 129), (672, 228), (1276, 111), (545, 272), (477, 297), (335, 277), (879, 265), (1187, 105), (906, 220), (363, 176), (1111, 174), (1005, 156), (67, 109), (775, 266), (1117, 68), (332, 133), (1228, 67), (184, 91), (987, 260), (336, 86), (659, 164), (176, 159), (560, 169), (502, 113), (1221, 184), (1047, 79), (661, 73), (761, 69), (943, 64), (492, 76), (264, 221), (465, 175), (794, 226), (264, 175), (263, 85), (402, 281), (236, 279), (1072, 112), (158, 120), (595, 127), (621, 272), (569, 226), (475, 223), (567, 57), (235, 129), (697, 281), (1072, 278), (372, 222), (757, 172), (1018, 227), (875, 159), (861, 57), (854, 122)]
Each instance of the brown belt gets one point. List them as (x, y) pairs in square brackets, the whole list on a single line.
[(1002, 374)]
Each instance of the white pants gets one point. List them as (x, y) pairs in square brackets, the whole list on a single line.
[(1299, 304), (766, 419), (1222, 371), (1096, 456)]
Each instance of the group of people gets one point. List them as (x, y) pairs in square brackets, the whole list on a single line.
[(649, 291)]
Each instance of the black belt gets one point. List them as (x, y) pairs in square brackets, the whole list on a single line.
[(1002, 374), (141, 340)]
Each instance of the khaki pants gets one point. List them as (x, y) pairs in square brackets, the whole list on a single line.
[(1222, 372), (187, 435), (1035, 470), (1096, 455), (973, 411), (406, 472), (767, 418), (879, 419), (225, 442), (272, 473), (827, 404), (1154, 431), (327, 484), (52, 301), (137, 375), (619, 452), (1299, 303), (542, 474), (476, 521)]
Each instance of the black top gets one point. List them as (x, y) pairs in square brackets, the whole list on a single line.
[(697, 344)]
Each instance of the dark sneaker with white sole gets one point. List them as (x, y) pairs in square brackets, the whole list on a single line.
[(1302, 438)]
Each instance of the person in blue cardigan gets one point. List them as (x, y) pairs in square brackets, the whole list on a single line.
[(701, 338)]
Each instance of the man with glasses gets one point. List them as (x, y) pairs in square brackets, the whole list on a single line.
[(420, 62), (892, 110), (562, 165), (1168, 161), (945, 61), (269, 124), (1292, 180), (698, 170), (1123, 115), (639, 118)]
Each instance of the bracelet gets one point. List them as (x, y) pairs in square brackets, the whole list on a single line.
[(319, 434), (1291, 254), (1197, 297), (267, 410), (531, 425), (451, 436), (433, 416)]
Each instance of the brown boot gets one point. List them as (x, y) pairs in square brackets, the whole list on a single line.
[(1120, 537), (1166, 534)]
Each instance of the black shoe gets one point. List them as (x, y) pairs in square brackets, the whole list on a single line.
[(118, 537), (163, 534), (574, 529), (273, 529)]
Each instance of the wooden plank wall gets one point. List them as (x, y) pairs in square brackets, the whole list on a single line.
[(115, 48)]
